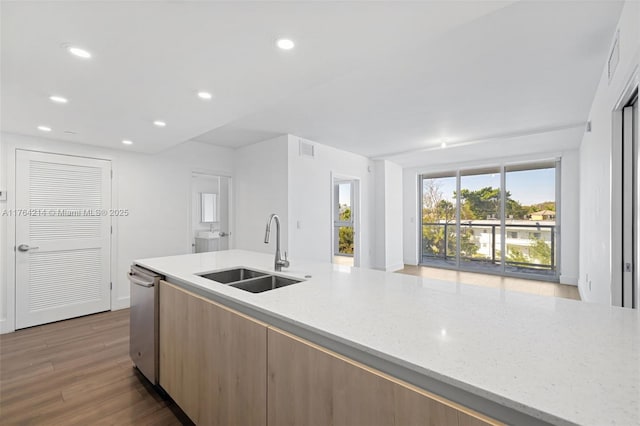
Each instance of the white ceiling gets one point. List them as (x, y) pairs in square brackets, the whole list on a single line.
[(374, 78)]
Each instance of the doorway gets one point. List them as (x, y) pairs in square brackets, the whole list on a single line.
[(62, 237), (630, 188), (344, 215), (211, 217)]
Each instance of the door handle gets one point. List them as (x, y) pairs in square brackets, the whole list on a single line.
[(25, 247), (138, 281)]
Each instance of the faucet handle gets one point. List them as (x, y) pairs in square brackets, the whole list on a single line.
[(285, 261)]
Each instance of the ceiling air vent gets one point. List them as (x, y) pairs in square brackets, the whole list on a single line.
[(614, 57), (306, 149)]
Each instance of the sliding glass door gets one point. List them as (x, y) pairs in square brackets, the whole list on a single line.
[(531, 238), (439, 236), (499, 219), (480, 214)]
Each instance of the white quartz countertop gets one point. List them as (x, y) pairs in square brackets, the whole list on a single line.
[(558, 360)]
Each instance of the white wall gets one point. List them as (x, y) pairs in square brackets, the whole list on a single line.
[(495, 153), (595, 166), (310, 192), (5, 309), (388, 221), (155, 188), (570, 239), (379, 236), (271, 177), (393, 216), (261, 185), (411, 215)]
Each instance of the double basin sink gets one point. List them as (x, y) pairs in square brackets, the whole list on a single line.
[(249, 280)]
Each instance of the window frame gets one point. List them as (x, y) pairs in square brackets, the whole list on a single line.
[(504, 168)]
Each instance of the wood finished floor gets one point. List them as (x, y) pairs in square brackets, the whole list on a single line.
[(495, 281), (343, 260), (77, 372)]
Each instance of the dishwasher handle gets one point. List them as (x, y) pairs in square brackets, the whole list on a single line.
[(137, 281)]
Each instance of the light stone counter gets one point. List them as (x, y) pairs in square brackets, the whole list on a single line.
[(519, 358)]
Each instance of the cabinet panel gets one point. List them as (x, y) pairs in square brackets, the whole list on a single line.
[(360, 398), (466, 419), (222, 367), (412, 407), (177, 358), (212, 360), (299, 387), (309, 385)]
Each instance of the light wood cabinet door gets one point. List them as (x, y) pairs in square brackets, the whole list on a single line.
[(212, 359), (467, 419), (309, 385)]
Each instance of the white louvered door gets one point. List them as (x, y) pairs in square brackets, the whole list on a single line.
[(63, 237)]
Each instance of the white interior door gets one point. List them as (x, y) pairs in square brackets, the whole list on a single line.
[(629, 231), (63, 236), (636, 202)]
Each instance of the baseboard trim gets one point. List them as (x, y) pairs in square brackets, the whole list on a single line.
[(123, 303), (581, 292), (567, 280), (6, 326), (395, 267)]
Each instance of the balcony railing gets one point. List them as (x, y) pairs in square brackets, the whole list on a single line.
[(529, 246)]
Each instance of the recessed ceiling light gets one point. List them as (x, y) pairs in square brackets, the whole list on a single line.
[(58, 99), (81, 53), (159, 123), (205, 95), (285, 44), (127, 142), (44, 128), (443, 145)]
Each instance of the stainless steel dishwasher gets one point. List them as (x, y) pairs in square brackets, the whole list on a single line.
[(143, 337)]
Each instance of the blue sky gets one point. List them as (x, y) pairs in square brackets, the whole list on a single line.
[(345, 191), (527, 186)]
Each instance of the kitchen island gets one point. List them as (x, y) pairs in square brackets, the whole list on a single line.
[(517, 358)]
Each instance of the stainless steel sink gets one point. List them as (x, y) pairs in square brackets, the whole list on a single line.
[(270, 282), (249, 280), (233, 275)]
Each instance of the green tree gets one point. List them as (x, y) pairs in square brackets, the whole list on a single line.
[(434, 207), (345, 233), (439, 214), (515, 209), (546, 205), (345, 243), (345, 213), (436, 212), (479, 204), (468, 246), (485, 202), (540, 251), (515, 255)]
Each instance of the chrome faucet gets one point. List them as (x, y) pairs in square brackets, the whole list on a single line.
[(279, 262)]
